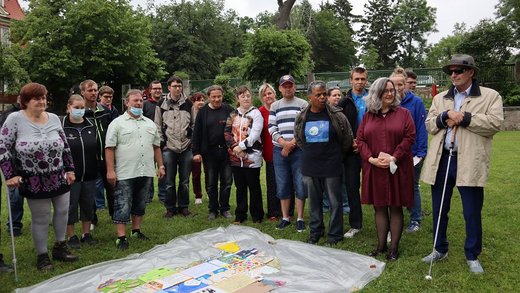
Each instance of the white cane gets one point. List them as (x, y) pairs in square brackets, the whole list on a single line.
[(452, 144), (11, 229)]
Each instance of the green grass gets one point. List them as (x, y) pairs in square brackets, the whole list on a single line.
[(500, 255)]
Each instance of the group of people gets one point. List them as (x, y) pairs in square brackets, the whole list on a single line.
[(322, 148)]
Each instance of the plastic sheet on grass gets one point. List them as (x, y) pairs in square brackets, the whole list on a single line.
[(303, 267)]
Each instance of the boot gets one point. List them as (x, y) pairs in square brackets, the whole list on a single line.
[(3, 266), (60, 251), (43, 262)]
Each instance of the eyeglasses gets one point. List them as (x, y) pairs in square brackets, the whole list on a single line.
[(388, 91), (457, 71)]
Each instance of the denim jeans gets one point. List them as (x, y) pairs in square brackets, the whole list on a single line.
[(216, 166), (288, 173), (315, 188), (130, 198), (16, 209), (352, 168), (344, 195), (100, 192), (161, 193), (416, 210), (177, 199)]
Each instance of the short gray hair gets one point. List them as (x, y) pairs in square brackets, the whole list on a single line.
[(132, 92), (375, 93), (315, 84)]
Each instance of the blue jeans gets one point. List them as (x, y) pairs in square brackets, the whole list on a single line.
[(288, 172), (416, 210), (100, 192), (161, 193), (130, 198), (316, 188), (177, 199), (16, 209), (216, 166)]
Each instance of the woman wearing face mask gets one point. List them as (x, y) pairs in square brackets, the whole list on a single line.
[(82, 137)]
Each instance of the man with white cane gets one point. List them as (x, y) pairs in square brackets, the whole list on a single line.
[(476, 113)]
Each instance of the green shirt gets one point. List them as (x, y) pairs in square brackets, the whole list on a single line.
[(133, 140)]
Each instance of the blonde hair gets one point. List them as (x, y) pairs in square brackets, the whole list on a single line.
[(399, 71), (73, 98)]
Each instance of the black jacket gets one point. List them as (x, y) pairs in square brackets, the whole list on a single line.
[(84, 146), (101, 117), (199, 139)]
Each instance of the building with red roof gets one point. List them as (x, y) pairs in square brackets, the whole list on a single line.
[(9, 10)]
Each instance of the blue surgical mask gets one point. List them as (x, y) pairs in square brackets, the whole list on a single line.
[(77, 113), (136, 111)]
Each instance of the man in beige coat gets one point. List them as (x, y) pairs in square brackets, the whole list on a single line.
[(474, 114)]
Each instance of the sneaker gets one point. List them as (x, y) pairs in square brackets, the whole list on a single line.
[(139, 236), (212, 216), (351, 233), (87, 238), (43, 262), (434, 256), (73, 242), (198, 201), (283, 224), (92, 227), (413, 227), (122, 244), (227, 215), (3, 267), (300, 226), (185, 212), (475, 267), (169, 214), (61, 252)]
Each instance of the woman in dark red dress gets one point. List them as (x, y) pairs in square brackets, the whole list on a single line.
[(384, 138)]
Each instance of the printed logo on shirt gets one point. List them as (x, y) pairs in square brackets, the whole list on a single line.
[(316, 131)]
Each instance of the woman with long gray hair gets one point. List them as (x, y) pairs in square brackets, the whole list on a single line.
[(384, 138)]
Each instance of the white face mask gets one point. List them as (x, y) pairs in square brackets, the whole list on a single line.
[(77, 113)]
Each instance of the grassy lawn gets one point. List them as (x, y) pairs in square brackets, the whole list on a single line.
[(500, 255)]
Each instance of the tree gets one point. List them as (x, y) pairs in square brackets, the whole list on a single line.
[(284, 11), (271, 54), (302, 18), (196, 37), (12, 75), (440, 54), (370, 58), (68, 41), (343, 10), (379, 31), (414, 20), (332, 45)]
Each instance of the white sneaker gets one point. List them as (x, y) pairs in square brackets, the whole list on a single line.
[(475, 267), (198, 201), (351, 233)]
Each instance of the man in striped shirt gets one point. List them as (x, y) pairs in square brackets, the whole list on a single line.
[(286, 156)]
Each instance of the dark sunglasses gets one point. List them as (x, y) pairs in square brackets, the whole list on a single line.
[(457, 71)]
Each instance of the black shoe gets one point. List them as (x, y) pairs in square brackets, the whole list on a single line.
[(16, 232), (283, 224), (185, 212), (392, 255), (332, 242), (73, 242), (139, 236), (61, 252), (87, 238), (377, 251), (313, 240), (169, 214), (43, 262), (122, 244), (3, 267)]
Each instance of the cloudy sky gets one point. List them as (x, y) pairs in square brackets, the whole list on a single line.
[(449, 12)]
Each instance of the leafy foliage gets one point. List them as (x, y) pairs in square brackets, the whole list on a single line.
[(69, 41), (11, 72), (196, 37), (332, 45), (271, 54)]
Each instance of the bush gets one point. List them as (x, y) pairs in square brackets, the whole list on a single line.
[(512, 97)]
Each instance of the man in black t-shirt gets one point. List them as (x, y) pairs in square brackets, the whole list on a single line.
[(208, 143), (324, 134)]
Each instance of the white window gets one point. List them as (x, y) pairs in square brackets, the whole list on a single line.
[(2, 3), (4, 35)]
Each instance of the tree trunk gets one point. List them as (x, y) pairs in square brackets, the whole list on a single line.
[(284, 10)]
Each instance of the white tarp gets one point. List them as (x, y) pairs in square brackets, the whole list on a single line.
[(303, 267)]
